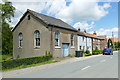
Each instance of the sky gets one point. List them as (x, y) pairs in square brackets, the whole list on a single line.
[(101, 17)]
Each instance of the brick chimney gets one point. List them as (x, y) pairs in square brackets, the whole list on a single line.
[(94, 33), (78, 29), (84, 30)]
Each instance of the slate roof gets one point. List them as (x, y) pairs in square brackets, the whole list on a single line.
[(91, 35), (51, 21)]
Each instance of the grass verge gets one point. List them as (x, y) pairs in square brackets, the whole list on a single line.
[(4, 57), (32, 65)]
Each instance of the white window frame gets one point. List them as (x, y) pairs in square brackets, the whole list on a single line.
[(20, 39), (37, 37), (72, 40), (84, 39), (57, 38)]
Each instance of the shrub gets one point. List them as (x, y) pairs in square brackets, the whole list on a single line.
[(8, 64), (100, 51), (96, 51), (70, 55), (87, 53)]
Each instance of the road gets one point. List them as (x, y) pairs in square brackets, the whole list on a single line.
[(103, 66)]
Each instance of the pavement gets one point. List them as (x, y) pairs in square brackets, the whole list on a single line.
[(96, 66)]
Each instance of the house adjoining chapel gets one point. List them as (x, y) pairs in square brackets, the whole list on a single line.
[(91, 41), (37, 33)]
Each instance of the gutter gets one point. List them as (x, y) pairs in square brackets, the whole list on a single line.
[(62, 27)]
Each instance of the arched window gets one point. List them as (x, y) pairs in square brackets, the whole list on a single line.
[(37, 38), (20, 39), (72, 40), (57, 41)]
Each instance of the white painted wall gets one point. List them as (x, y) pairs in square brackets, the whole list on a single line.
[(89, 44), (84, 43)]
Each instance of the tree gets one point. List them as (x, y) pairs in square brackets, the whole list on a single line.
[(7, 11), (117, 44), (7, 39), (110, 43)]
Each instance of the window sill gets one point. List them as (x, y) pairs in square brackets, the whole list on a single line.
[(57, 47), (37, 47), (20, 47), (72, 47)]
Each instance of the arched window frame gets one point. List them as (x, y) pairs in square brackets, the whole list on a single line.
[(72, 40), (37, 38), (57, 38), (20, 39)]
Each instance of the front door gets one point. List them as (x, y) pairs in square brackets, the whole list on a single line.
[(65, 49)]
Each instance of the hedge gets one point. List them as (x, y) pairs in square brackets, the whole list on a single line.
[(96, 51), (116, 49), (8, 64)]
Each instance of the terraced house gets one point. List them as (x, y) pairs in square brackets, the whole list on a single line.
[(91, 41), (36, 33)]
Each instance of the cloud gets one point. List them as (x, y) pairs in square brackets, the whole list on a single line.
[(84, 25), (51, 7), (54, 6), (106, 5), (107, 32), (21, 8), (79, 10), (76, 11)]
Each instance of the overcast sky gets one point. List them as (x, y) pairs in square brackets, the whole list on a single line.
[(101, 17)]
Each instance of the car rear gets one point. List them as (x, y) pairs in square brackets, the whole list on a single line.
[(106, 52)]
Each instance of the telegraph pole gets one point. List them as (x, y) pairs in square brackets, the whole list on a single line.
[(113, 38), (112, 34)]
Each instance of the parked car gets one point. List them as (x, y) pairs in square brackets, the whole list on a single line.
[(107, 51)]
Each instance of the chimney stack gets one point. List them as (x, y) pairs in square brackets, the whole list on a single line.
[(94, 33), (78, 29), (85, 31)]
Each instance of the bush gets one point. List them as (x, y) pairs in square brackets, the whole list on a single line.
[(100, 51), (87, 53), (8, 64), (70, 55), (96, 51), (116, 49)]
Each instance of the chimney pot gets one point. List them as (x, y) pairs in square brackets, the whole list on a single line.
[(94, 33), (85, 31), (78, 29)]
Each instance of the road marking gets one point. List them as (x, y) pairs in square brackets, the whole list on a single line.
[(85, 67), (107, 56), (103, 61)]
